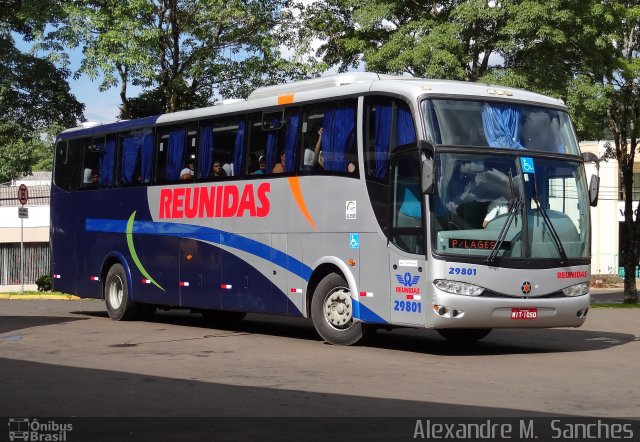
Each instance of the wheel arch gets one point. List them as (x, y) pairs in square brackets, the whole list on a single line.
[(116, 258), (323, 267)]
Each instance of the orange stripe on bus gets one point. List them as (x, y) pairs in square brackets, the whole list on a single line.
[(285, 99), (294, 184)]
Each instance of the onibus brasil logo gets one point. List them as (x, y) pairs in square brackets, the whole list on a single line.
[(32, 430)]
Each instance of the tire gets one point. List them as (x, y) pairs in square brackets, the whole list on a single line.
[(464, 335), (116, 295), (214, 316), (332, 312)]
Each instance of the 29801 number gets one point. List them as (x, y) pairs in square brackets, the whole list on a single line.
[(462, 271), (408, 306)]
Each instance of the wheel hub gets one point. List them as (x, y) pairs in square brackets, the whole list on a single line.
[(338, 309)]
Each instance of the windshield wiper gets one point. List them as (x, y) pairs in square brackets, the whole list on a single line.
[(514, 204), (554, 234)]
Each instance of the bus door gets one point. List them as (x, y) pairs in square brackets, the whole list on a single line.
[(200, 265), (406, 233)]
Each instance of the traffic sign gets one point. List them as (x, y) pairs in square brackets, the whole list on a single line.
[(23, 212), (23, 194)]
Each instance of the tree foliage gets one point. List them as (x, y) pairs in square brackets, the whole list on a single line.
[(34, 93), (189, 52)]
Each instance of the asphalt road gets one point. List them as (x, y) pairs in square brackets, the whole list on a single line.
[(67, 358)]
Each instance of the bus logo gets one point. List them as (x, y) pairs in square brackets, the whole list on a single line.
[(18, 429), (526, 287), (408, 279)]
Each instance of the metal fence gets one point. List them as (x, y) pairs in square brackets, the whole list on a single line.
[(36, 262)]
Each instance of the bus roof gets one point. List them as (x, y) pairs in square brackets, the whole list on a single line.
[(352, 83)]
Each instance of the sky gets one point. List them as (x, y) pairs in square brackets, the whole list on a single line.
[(100, 107)]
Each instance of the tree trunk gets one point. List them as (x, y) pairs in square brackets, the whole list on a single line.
[(630, 247)]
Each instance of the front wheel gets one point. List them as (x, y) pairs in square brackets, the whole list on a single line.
[(116, 295), (464, 334), (332, 312)]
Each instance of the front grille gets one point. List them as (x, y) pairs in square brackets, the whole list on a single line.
[(491, 294)]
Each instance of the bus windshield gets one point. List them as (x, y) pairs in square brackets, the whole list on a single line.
[(500, 125), (507, 206)]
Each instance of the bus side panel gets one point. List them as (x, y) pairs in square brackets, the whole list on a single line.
[(91, 251), (200, 267), (158, 257), (245, 288), (64, 219), (296, 284)]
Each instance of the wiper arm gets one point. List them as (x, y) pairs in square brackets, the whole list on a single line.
[(554, 234), (514, 205)]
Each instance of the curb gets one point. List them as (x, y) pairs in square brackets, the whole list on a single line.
[(40, 297)]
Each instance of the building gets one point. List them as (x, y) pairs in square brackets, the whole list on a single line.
[(607, 218), (35, 232)]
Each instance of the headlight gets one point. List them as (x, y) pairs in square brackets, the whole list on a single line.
[(458, 288), (576, 290)]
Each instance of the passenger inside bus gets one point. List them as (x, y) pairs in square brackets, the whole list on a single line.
[(279, 167), (217, 171), (188, 172)]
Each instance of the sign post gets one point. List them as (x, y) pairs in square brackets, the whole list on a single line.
[(23, 197)]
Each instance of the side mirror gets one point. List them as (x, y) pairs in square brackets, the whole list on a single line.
[(594, 187), (594, 181), (426, 167)]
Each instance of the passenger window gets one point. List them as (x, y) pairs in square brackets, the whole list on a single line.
[(329, 138), (91, 162), (273, 145), (389, 124), (136, 157), (68, 156), (220, 148)]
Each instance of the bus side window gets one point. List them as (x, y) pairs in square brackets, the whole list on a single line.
[(390, 124), (136, 157), (67, 164), (329, 138), (91, 162), (406, 203)]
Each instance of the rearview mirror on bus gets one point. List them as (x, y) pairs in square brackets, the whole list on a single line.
[(426, 166), (594, 181)]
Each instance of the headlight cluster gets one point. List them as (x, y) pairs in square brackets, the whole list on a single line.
[(458, 288), (576, 290)]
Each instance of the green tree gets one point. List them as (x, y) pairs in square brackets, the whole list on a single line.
[(34, 94), (189, 52)]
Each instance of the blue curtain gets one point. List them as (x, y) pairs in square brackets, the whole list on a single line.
[(337, 136), (147, 158), (272, 144), (501, 124), (290, 143), (406, 133), (106, 163), (383, 134), (130, 154), (238, 150), (205, 152), (175, 154)]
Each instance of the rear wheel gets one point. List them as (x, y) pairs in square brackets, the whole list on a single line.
[(464, 334), (332, 312), (116, 295)]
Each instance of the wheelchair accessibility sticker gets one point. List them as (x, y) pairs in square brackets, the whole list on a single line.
[(354, 240), (527, 165)]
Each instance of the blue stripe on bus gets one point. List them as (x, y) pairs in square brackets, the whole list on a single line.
[(367, 315), (205, 234)]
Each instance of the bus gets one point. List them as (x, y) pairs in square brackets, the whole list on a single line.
[(358, 200)]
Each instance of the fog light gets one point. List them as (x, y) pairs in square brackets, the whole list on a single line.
[(440, 309)]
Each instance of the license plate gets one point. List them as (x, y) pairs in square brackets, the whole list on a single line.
[(524, 313)]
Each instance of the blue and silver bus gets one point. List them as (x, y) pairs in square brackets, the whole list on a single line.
[(358, 200)]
